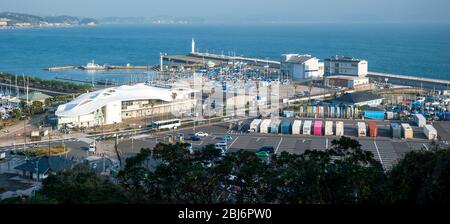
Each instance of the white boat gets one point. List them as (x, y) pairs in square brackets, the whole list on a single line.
[(93, 66)]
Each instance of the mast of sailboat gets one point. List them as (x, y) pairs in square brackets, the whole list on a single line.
[(28, 86), (17, 87)]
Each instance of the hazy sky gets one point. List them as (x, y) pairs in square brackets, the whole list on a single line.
[(376, 11)]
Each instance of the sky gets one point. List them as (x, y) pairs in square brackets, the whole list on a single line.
[(295, 11)]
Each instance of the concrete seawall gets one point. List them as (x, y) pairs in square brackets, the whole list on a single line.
[(414, 81)]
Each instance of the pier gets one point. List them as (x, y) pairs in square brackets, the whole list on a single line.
[(203, 58), (107, 67), (413, 81)]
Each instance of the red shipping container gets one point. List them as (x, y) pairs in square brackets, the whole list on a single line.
[(318, 128), (373, 129)]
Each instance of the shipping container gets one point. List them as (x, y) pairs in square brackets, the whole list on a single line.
[(430, 132), (378, 115), (307, 127), (339, 128), (420, 120), (297, 127), (286, 127), (362, 129), (396, 130), (389, 115), (329, 128), (35, 134), (275, 126), (318, 125), (254, 126), (373, 129), (265, 126), (407, 131)]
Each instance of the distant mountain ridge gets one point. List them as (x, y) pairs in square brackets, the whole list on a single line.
[(152, 20), (19, 18)]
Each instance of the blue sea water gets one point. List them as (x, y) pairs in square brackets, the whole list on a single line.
[(418, 50)]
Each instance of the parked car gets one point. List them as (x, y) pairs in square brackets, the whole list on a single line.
[(201, 134), (195, 138), (268, 149), (227, 138)]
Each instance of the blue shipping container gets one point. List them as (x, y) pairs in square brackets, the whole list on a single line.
[(286, 127), (374, 114)]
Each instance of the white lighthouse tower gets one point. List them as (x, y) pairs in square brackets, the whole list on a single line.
[(193, 46)]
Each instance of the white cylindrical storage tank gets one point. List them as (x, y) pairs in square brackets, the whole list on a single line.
[(339, 128), (297, 127), (430, 132), (329, 128), (307, 127)]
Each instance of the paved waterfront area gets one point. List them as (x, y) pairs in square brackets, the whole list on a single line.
[(384, 148)]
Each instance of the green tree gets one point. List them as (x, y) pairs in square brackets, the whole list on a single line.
[(37, 107), (16, 113), (421, 177), (81, 185)]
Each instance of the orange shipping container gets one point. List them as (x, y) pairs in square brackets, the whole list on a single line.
[(373, 129)]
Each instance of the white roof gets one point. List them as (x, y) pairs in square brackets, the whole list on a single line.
[(89, 102)]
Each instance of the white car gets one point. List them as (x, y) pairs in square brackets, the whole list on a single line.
[(201, 134)]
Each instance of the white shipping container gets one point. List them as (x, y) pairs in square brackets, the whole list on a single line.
[(430, 132), (35, 134), (389, 115), (407, 131), (339, 128), (362, 129), (297, 127), (307, 127), (254, 126), (329, 128), (420, 120), (265, 126)]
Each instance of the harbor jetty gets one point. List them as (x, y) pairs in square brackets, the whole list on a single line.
[(106, 67)]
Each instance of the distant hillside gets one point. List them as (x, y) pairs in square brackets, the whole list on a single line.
[(151, 20), (15, 18)]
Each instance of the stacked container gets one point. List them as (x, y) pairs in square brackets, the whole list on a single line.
[(396, 130), (297, 127), (420, 120), (286, 127), (254, 126), (318, 128), (339, 128), (407, 131), (307, 127), (373, 129), (362, 129), (329, 128), (275, 126), (265, 126), (430, 132)]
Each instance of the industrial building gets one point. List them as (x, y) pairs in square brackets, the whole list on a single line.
[(359, 99), (115, 104), (350, 82), (300, 67), (347, 66)]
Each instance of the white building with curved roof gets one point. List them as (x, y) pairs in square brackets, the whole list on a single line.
[(112, 105)]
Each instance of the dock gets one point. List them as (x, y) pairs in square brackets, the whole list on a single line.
[(203, 58), (107, 67), (414, 81)]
